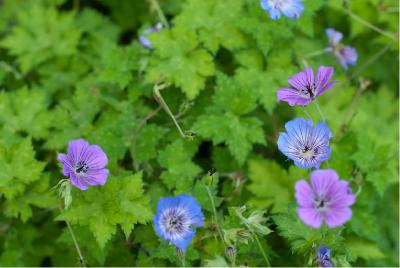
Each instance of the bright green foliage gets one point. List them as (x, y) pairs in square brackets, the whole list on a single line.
[(180, 170), (75, 69), (178, 59), (20, 188), (224, 120), (122, 203)]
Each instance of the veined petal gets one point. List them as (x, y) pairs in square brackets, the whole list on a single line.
[(292, 97), (304, 194), (310, 216), (302, 80), (292, 9), (78, 182), (322, 180), (337, 217), (324, 74)]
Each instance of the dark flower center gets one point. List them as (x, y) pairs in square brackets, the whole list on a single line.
[(321, 203), (81, 168)]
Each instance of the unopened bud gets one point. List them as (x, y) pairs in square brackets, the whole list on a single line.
[(230, 253)]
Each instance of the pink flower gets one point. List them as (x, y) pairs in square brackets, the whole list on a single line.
[(305, 87), (327, 199)]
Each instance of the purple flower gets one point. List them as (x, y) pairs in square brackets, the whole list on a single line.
[(84, 164), (328, 199), (144, 40), (306, 88), (175, 217), (290, 8), (324, 257), (306, 145), (345, 55)]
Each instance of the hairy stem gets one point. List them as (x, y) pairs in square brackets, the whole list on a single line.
[(215, 214), (78, 249), (160, 100), (307, 114), (318, 52), (261, 248), (156, 6)]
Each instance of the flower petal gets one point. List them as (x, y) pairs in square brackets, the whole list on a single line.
[(76, 149), (78, 182), (95, 157), (292, 97), (293, 9), (304, 194), (310, 216), (193, 208), (184, 242), (96, 177), (67, 166), (302, 80), (324, 74), (322, 180), (333, 36), (337, 217)]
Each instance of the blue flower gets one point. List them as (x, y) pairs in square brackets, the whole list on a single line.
[(146, 41), (306, 145), (290, 8), (324, 256), (175, 217)]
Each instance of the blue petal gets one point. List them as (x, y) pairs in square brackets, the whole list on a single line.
[(183, 243), (323, 129), (293, 10), (193, 208), (298, 126), (265, 5), (274, 13)]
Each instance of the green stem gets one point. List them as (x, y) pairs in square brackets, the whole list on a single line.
[(215, 215), (368, 24), (371, 60), (160, 13), (317, 53), (307, 114), (319, 111), (261, 248), (161, 101), (78, 249)]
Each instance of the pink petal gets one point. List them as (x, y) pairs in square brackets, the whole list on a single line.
[(304, 194), (292, 97), (310, 216), (303, 79), (322, 180), (337, 217)]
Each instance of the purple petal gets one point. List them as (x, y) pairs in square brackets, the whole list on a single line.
[(324, 74), (304, 194), (95, 157), (310, 216), (337, 217), (341, 195), (322, 180), (292, 97), (76, 149), (302, 80), (78, 182), (67, 169), (96, 177), (334, 36)]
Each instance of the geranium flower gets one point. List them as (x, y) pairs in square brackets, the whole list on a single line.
[(324, 257), (143, 37), (306, 145), (290, 8), (175, 217), (327, 199), (306, 88), (345, 55), (84, 164)]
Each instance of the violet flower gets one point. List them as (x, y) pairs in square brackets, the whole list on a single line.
[(345, 55), (307, 145), (143, 37), (305, 87), (327, 199), (324, 257), (84, 164)]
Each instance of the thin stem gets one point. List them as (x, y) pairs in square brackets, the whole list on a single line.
[(9, 68), (307, 114), (160, 13), (318, 52), (368, 24), (319, 111), (161, 101), (215, 214), (78, 249), (370, 61), (261, 248)]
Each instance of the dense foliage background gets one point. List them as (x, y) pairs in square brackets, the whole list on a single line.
[(71, 69)]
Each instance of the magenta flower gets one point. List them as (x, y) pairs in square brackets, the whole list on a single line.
[(84, 164), (328, 199), (306, 88), (345, 55)]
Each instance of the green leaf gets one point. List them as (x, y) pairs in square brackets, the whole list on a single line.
[(177, 58), (122, 203), (360, 248)]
